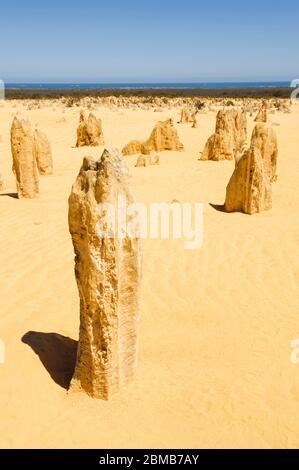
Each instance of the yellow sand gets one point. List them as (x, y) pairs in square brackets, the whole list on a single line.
[(216, 324)]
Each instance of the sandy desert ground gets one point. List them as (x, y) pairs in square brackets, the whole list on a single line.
[(215, 324)]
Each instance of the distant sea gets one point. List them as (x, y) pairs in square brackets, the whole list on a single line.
[(176, 86)]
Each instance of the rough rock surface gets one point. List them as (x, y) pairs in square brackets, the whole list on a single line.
[(147, 160), (264, 138), (24, 159), (262, 114), (230, 135), (186, 116), (82, 135), (209, 151), (163, 137), (94, 130), (108, 278), (43, 153), (133, 147), (249, 189), (89, 132)]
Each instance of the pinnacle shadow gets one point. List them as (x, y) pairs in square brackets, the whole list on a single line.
[(13, 195), (57, 353), (218, 207)]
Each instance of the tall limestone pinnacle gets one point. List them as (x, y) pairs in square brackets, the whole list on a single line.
[(43, 153), (108, 277), (24, 159), (264, 138), (249, 189)]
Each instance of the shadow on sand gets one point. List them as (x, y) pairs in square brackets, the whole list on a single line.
[(13, 195), (218, 207), (56, 352)]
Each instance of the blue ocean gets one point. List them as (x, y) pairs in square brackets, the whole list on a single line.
[(208, 85)]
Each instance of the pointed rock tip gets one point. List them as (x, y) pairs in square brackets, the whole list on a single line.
[(89, 163), (112, 157)]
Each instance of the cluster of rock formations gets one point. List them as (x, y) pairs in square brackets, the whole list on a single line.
[(108, 266), (108, 277), (89, 131), (31, 154), (148, 102), (163, 137), (229, 137), (107, 351), (251, 104), (249, 189)]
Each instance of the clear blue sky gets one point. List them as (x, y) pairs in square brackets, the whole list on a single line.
[(166, 40)]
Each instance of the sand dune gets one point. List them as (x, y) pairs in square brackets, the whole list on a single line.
[(216, 324)]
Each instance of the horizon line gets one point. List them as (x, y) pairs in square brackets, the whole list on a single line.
[(120, 82)]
